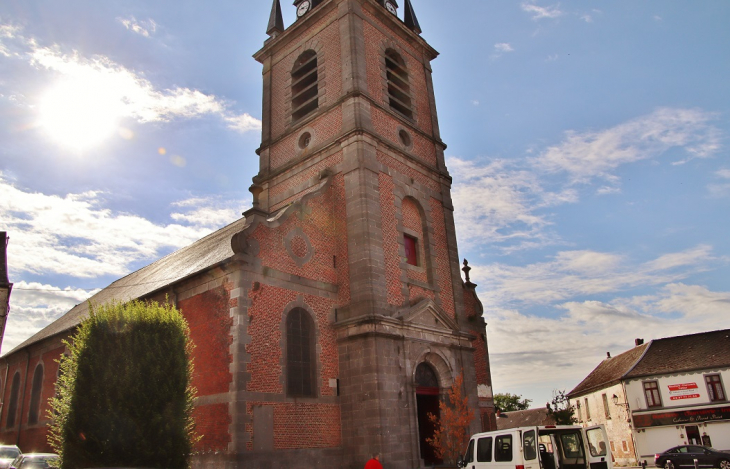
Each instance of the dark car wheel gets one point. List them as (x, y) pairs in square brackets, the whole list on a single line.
[(724, 464), (670, 465)]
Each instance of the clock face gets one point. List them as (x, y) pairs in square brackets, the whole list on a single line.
[(390, 7), (303, 8)]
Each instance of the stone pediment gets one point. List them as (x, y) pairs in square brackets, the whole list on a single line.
[(427, 313)]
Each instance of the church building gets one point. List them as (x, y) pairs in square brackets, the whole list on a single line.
[(332, 317)]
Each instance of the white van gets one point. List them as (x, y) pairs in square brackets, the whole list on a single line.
[(544, 447)]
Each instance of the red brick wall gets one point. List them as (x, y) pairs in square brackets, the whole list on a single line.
[(211, 422), (33, 438), (441, 256), (277, 191), (266, 314), (300, 425), (323, 225), (391, 247), (386, 126), (409, 171), (210, 330), (325, 127)]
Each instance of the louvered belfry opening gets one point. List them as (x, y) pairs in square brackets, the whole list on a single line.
[(304, 89), (399, 91)]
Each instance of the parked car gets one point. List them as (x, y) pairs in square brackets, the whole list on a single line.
[(8, 453), (35, 461), (684, 457)]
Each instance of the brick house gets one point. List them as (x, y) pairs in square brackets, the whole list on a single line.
[(332, 317), (660, 394)]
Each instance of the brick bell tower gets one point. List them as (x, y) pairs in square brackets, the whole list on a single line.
[(352, 222)]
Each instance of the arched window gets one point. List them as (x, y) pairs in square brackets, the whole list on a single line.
[(35, 395), (304, 87), (399, 91), (300, 355), (13, 405), (426, 377)]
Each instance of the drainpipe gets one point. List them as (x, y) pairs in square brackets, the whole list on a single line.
[(22, 397)]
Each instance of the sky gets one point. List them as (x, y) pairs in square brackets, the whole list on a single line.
[(587, 140)]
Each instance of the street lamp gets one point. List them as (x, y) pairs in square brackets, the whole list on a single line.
[(615, 401)]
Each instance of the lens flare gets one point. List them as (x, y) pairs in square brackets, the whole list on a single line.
[(80, 114)]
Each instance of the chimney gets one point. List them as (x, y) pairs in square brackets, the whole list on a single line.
[(638, 342), (608, 354)]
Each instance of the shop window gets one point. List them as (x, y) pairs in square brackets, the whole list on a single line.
[(300, 355), (35, 395), (714, 388), (399, 91), (304, 87), (651, 391)]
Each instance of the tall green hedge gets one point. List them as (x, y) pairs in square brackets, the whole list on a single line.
[(124, 394)]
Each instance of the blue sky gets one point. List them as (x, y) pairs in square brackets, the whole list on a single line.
[(588, 142)]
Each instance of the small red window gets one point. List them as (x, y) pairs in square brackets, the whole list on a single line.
[(411, 245)]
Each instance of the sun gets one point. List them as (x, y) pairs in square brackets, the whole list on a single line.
[(80, 113)]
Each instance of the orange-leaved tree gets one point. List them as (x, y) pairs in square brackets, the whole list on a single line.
[(451, 434)]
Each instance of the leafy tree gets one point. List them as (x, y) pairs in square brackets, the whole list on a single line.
[(124, 394), (561, 410), (452, 427), (507, 402)]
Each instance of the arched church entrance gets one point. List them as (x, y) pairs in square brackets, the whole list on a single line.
[(427, 402)]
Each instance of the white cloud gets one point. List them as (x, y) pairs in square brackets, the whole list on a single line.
[(138, 97), (497, 202), (34, 305), (7, 31), (572, 274), (133, 95), (539, 12), (562, 350), (606, 190), (596, 154), (720, 189), (76, 235), (144, 28), (502, 47), (209, 211)]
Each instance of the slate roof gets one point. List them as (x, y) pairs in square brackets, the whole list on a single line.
[(204, 253), (685, 353), (705, 350), (524, 418), (610, 371)]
